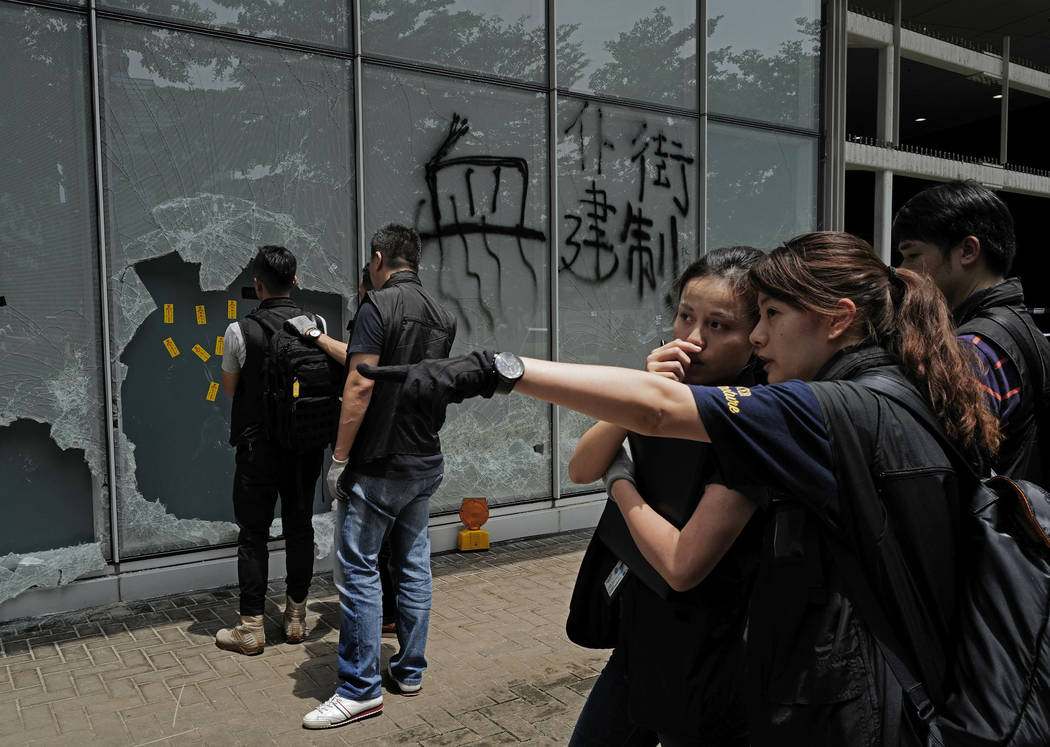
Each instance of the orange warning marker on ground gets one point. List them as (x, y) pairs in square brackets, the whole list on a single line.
[(169, 343)]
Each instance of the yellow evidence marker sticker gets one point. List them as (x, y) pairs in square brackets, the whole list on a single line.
[(213, 389), (170, 345), (203, 354), (201, 319), (231, 309), (218, 345), (169, 313), (295, 388)]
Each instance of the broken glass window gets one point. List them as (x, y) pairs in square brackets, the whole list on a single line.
[(466, 164), (52, 442), (213, 148)]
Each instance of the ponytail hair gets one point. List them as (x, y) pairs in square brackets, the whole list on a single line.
[(899, 310)]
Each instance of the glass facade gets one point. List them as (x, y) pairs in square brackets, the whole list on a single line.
[(555, 208)]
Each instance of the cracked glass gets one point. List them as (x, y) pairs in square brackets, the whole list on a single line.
[(211, 149), (322, 22), (640, 50), (761, 186), (505, 38), (466, 164), (52, 442), (627, 206), (763, 60)]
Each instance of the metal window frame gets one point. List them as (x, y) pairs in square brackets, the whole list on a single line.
[(94, 14)]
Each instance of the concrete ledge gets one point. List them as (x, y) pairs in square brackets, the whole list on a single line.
[(218, 567), (874, 158), (870, 32)]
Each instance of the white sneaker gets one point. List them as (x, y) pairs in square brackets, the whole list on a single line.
[(405, 689), (338, 710)]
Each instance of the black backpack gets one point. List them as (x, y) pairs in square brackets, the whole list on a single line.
[(301, 388), (1000, 657)]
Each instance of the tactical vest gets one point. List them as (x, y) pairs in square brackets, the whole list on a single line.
[(998, 314), (415, 327), (246, 416)]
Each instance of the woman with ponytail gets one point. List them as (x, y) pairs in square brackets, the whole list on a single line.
[(814, 450)]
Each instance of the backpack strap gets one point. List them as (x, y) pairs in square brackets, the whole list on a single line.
[(861, 592)]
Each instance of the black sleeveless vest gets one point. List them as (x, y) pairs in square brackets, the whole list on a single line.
[(415, 327)]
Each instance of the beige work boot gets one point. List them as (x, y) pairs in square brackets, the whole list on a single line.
[(294, 621), (247, 638)]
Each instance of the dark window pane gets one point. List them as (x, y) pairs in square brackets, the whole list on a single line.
[(499, 37), (761, 186), (322, 22), (763, 60), (635, 50)]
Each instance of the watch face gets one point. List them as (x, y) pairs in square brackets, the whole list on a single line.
[(509, 366), (314, 333)]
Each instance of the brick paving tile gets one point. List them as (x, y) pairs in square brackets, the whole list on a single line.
[(501, 670)]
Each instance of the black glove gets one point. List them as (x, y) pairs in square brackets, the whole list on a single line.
[(432, 385)]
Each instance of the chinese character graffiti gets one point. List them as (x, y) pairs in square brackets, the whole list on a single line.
[(644, 244)]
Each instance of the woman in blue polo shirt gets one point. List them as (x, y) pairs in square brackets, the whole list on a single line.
[(830, 310)]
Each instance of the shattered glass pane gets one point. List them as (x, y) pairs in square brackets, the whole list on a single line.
[(21, 572), (627, 204), (761, 186), (212, 149), (506, 38), (467, 165), (765, 65), (644, 51), (323, 22), (52, 442)]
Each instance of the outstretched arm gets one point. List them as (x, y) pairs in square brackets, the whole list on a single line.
[(636, 400)]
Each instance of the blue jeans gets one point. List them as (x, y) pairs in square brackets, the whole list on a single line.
[(375, 506)]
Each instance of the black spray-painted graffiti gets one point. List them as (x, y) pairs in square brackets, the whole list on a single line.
[(593, 255), (485, 181)]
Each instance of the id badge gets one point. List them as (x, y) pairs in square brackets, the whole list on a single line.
[(615, 578)]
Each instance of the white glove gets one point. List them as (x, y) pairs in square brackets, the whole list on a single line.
[(621, 468), (334, 473), (300, 325)]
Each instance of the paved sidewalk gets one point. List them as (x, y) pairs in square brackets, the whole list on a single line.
[(501, 669)]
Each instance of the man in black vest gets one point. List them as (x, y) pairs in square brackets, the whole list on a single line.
[(962, 235), (264, 469), (395, 465)]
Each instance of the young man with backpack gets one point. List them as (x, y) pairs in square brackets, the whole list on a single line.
[(386, 464), (283, 394), (962, 235)]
